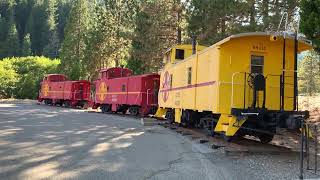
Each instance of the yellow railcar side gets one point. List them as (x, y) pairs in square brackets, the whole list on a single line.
[(217, 81)]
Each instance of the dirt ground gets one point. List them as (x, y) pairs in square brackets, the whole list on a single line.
[(311, 104)]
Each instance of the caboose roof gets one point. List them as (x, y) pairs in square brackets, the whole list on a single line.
[(56, 75), (113, 68), (304, 44)]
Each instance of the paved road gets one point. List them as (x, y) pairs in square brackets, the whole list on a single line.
[(39, 142)]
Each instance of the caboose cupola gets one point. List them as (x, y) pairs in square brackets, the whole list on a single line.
[(180, 52), (115, 72)]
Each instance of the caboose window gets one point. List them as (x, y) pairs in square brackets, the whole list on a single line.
[(189, 75), (179, 54), (257, 63), (123, 88)]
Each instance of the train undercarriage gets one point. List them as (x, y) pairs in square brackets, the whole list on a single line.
[(261, 123), (133, 110), (66, 103)]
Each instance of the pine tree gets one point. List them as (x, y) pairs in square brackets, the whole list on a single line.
[(122, 12), (157, 26), (310, 21), (3, 28), (26, 46), (63, 10), (309, 74), (12, 47), (22, 11), (213, 20), (73, 47), (41, 24), (99, 41), (51, 50), (6, 26)]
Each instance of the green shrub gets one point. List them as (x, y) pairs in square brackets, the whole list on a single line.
[(8, 79), (20, 77)]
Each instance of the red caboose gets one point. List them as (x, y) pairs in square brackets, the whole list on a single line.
[(118, 91), (57, 89)]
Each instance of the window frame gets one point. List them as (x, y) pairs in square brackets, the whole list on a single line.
[(123, 88), (181, 52), (260, 64), (189, 75)]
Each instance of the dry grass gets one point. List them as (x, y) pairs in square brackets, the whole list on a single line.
[(309, 103), (312, 104)]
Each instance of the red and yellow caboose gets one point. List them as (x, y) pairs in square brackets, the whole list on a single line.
[(57, 89), (118, 91)]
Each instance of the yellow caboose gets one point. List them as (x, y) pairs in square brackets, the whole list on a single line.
[(244, 84)]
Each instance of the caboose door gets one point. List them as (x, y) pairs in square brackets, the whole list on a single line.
[(81, 90), (257, 68)]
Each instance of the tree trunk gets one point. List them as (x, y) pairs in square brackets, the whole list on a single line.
[(265, 13), (252, 13)]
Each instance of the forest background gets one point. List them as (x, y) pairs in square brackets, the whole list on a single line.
[(79, 37)]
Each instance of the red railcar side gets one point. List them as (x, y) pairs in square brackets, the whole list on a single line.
[(56, 89), (118, 91)]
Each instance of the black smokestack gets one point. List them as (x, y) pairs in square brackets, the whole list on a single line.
[(194, 44)]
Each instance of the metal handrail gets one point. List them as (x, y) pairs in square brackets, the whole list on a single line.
[(148, 96), (232, 85)]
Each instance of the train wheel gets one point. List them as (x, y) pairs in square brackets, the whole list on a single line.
[(227, 138), (209, 123), (124, 111), (67, 104), (170, 116), (265, 138), (105, 108), (86, 105), (134, 111), (212, 126), (48, 102), (190, 119)]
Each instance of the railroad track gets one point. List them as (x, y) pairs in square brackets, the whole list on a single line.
[(237, 146)]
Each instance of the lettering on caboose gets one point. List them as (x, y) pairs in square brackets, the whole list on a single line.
[(258, 47)]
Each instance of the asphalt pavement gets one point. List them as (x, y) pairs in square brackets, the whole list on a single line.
[(41, 142), (45, 142)]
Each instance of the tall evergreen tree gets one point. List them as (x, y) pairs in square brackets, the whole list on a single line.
[(6, 24), (26, 46), (41, 24), (52, 48), (309, 74), (122, 11), (99, 41), (310, 21), (12, 47), (73, 47), (63, 10), (212, 20), (157, 24), (22, 12)]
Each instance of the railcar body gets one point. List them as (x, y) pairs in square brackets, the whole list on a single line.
[(244, 84), (57, 89), (118, 90)]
